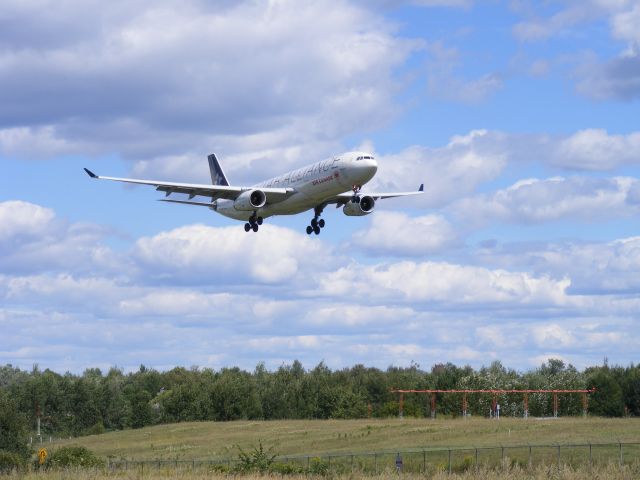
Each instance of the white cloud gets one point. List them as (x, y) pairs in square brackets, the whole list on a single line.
[(552, 335), (450, 284), (198, 253), (162, 80), (595, 149), (33, 239), (594, 268), (535, 200), (398, 234), (447, 172), (23, 219)]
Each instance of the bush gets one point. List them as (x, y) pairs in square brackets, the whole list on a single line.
[(10, 461), (318, 467), (258, 460), (74, 456)]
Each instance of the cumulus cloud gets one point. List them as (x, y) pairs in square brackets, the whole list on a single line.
[(594, 268), (158, 80), (443, 282), (33, 239), (398, 234), (198, 253), (535, 200), (447, 172), (596, 149)]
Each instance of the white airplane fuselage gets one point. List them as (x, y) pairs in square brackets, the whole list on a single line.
[(313, 185)]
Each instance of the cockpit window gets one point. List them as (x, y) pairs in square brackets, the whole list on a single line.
[(365, 158)]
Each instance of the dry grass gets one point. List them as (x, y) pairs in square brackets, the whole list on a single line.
[(609, 472), (210, 440)]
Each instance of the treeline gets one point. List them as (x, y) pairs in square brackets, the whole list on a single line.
[(95, 401)]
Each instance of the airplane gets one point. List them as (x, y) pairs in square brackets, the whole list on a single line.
[(337, 180)]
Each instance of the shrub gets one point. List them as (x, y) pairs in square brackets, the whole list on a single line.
[(74, 456), (258, 460), (10, 461), (318, 467)]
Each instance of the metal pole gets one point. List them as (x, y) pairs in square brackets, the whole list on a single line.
[(449, 461), (433, 405)]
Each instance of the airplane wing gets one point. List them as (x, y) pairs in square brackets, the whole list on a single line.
[(274, 195), (344, 198)]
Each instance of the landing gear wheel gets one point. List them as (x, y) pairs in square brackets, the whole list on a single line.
[(314, 222), (321, 223), (309, 229), (316, 230), (259, 220), (255, 227), (247, 227)]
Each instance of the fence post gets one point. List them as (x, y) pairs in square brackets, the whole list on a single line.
[(620, 443), (476, 458), (449, 461), (502, 455), (308, 462), (590, 457), (352, 463), (375, 462), (424, 461), (558, 458)]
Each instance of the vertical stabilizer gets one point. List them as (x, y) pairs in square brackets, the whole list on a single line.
[(217, 174)]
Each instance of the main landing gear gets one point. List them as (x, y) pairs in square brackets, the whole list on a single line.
[(253, 223), (317, 223)]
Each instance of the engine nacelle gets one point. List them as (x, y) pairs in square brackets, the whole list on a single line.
[(363, 207), (250, 200)]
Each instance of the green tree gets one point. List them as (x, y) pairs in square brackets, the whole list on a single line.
[(13, 427), (607, 400)]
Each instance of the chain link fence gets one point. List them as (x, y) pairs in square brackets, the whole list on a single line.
[(426, 461)]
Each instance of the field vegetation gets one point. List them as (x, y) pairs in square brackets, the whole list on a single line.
[(218, 440), (607, 472)]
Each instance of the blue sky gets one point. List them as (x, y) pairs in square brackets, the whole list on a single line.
[(521, 118)]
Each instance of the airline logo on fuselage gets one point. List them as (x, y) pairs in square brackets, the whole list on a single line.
[(304, 174)]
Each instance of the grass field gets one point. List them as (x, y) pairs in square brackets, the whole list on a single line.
[(609, 472), (212, 440)]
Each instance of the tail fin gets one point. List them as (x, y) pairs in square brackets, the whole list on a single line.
[(217, 174)]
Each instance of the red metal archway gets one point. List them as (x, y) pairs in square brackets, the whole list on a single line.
[(494, 393)]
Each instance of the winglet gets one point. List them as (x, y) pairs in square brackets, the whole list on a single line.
[(90, 173), (421, 189)]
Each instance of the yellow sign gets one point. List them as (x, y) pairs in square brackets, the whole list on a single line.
[(42, 455)]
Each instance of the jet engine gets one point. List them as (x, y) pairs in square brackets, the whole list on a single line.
[(250, 200), (357, 209)]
